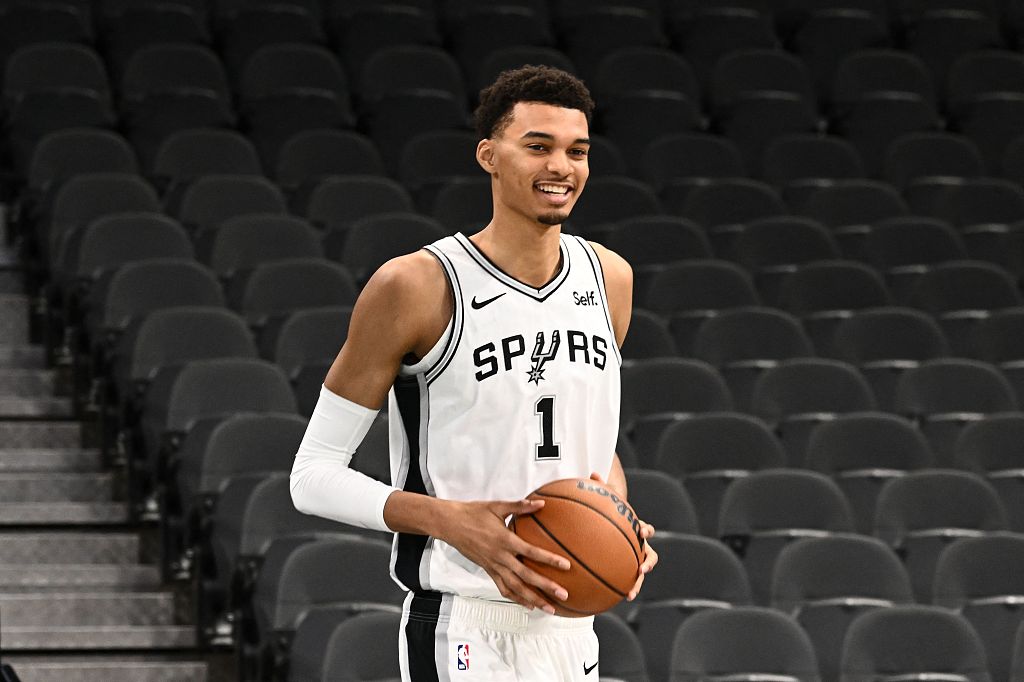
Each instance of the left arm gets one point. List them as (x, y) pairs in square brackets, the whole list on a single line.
[(618, 282)]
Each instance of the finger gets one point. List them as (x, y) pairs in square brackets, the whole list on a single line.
[(646, 530), (650, 561), (510, 507), (594, 476), (519, 582), (636, 588), (535, 581), (523, 548)]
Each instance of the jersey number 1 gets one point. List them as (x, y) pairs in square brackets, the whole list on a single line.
[(547, 448)]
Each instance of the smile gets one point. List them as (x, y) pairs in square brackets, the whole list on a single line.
[(552, 189)]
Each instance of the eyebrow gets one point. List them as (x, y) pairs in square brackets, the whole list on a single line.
[(549, 136)]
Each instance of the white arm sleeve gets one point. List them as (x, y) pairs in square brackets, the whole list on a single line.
[(321, 482)]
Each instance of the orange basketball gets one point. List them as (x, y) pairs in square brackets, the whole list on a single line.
[(598, 533)]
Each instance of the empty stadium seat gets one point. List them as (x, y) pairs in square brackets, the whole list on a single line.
[(990, 447)]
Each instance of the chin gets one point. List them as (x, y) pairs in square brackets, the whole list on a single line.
[(552, 218)]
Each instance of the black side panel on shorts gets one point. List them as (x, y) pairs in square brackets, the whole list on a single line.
[(420, 634)]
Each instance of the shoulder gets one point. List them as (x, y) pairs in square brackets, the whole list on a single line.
[(407, 278)]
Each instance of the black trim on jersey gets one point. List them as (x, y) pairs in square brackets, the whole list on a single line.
[(458, 316), (511, 282), (421, 635), (595, 265), (410, 547)]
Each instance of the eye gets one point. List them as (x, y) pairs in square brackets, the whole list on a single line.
[(535, 147), (581, 153)]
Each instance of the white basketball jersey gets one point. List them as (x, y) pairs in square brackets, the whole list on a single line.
[(522, 389)]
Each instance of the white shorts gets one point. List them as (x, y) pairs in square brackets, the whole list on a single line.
[(447, 638)]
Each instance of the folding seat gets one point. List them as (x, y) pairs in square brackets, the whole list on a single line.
[(304, 344), (992, 123), (599, 30), (799, 394), (977, 578), (884, 342), (638, 67), (996, 339), (991, 448), (649, 243), (799, 164), (214, 451), (790, 18), (742, 643), (370, 242), (976, 75), (904, 248), (676, 163), (657, 392), (212, 199), (913, 642), (375, 26), (610, 199), (604, 157), (513, 57), (920, 513), (752, 121), (338, 201), (826, 582), (918, 162), (721, 205), (773, 248), (987, 213), (829, 36), (247, 241), (648, 337), (879, 118), (286, 89), (166, 88), (282, 287), (743, 342), (189, 154), (940, 36), (958, 294), (690, 291), (635, 119), (850, 207), (662, 501), (861, 451), (352, 652), (742, 74), (86, 197), (484, 29), (623, 658), (824, 293), (1011, 164), (401, 116), (351, 571), (875, 70), (707, 452), (713, 32), (253, 27), (465, 205), (54, 66), (910, 12), (1018, 653), (409, 67), (433, 159), (308, 157), (943, 395), (126, 27), (705, 576), (28, 23)]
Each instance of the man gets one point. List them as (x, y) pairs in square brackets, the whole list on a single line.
[(498, 354)]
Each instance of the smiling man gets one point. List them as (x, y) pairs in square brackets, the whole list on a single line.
[(498, 356)]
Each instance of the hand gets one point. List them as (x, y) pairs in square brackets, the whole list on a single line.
[(478, 531), (650, 556)]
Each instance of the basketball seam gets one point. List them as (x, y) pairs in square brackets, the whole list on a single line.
[(577, 559), (596, 511)]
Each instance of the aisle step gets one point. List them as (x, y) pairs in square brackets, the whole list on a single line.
[(107, 669), (64, 513), (57, 547), (56, 487), (27, 460)]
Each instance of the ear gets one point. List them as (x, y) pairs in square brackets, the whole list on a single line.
[(485, 155)]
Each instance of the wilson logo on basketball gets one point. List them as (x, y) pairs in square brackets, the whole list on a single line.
[(620, 506)]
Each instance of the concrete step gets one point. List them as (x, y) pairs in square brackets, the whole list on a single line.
[(56, 487), (51, 408), (68, 608), (14, 311), (121, 576), (107, 669), (120, 637), (56, 547), (22, 356), (73, 513), (27, 460), (27, 383), (40, 434)]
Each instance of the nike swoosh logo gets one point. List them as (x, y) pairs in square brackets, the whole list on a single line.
[(477, 305), (588, 669)]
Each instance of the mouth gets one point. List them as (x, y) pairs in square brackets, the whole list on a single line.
[(556, 193)]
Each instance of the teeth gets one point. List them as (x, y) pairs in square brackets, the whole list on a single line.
[(553, 189)]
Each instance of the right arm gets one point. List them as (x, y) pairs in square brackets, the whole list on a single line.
[(402, 311)]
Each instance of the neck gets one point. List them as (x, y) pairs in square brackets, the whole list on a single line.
[(529, 252)]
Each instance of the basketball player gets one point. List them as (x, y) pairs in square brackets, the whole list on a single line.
[(498, 355)]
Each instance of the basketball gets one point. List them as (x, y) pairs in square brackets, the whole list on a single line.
[(596, 531)]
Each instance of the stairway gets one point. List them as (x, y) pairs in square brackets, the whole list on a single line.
[(81, 596)]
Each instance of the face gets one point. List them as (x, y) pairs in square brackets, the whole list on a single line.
[(538, 162)]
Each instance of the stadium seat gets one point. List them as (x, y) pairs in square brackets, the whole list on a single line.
[(338, 201), (190, 154), (741, 74), (282, 287), (635, 119), (662, 501), (621, 655), (598, 30), (611, 199), (247, 241), (990, 447), (464, 205), (994, 340), (252, 27), (432, 159), (212, 199), (850, 207), (374, 26), (648, 337), (903, 248), (308, 157), (369, 242), (484, 29), (830, 35), (638, 68), (723, 205), (649, 242), (916, 162), (756, 118), (940, 36), (976, 75), (401, 116), (675, 163), (353, 650), (127, 27), (712, 32), (24, 24), (799, 164), (401, 68), (512, 57)]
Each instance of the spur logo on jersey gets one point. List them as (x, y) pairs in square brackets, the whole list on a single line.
[(462, 657), (497, 356)]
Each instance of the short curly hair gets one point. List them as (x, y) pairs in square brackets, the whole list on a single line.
[(529, 83)]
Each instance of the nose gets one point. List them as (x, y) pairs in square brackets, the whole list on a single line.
[(558, 164)]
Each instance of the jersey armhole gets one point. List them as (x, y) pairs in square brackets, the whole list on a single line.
[(438, 357), (595, 264)]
